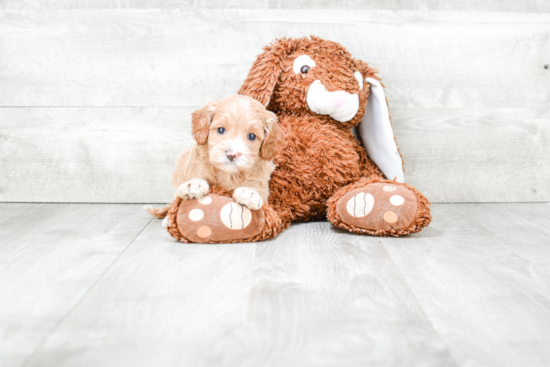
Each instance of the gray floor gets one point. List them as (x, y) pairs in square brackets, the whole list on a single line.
[(104, 285)]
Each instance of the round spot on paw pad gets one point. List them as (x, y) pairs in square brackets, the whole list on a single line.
[(204, 232), (214, 227), (235, 216), (389, 188), (397, 200), (205, 200), (360, 205), (196, 215), (390, 217)]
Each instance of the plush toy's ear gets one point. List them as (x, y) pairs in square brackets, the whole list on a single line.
[(272, 140), (264, 73), (377, 134), (200, 121)]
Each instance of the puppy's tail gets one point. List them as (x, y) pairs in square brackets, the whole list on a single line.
[(158, 212)]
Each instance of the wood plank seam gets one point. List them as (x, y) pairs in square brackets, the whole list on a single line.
[(427, 318), (60, 321)]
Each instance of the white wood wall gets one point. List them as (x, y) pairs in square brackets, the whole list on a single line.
[(96, 96)]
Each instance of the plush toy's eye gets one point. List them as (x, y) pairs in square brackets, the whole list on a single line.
[(221, 130), (251, 137), (302, 64)]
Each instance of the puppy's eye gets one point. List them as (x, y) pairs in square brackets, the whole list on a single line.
[(221, 130), (251, 137), (304, 69)]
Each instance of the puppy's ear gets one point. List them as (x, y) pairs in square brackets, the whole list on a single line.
[(265, 72), (273, 138), (200, 121)]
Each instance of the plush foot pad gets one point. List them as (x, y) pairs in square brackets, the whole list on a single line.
[(378, 206), (216, 218)]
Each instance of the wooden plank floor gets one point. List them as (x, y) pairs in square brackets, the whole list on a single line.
[(104, 285)]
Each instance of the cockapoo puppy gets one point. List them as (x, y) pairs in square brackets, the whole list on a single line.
[(236, 139)]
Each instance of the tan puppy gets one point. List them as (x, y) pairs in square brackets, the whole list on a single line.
[(236, 139)]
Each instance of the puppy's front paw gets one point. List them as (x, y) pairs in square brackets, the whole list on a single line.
[(193, 189), (248, 197)]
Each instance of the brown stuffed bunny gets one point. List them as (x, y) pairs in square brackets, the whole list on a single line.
[(319, 92)]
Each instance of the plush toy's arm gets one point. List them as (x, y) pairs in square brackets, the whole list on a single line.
[(377, 134)]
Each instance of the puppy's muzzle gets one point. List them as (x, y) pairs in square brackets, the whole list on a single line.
[(340, 105), (232, 155)]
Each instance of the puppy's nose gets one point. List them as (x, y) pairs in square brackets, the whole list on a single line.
[(340, 98), (231, 155)]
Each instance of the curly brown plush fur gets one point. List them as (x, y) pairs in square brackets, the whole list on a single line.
[(321, 159)]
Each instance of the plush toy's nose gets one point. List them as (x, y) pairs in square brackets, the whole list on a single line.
[(231, 155), (340, 98), (339, 105)]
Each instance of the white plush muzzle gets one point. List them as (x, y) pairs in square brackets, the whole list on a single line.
[(341, 106)]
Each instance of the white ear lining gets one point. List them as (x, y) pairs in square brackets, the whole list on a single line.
[(377, 134)]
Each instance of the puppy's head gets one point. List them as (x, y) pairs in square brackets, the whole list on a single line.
[(238, 131)]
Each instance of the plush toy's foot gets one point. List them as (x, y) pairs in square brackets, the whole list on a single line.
[(213, 219), (379, 208)]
